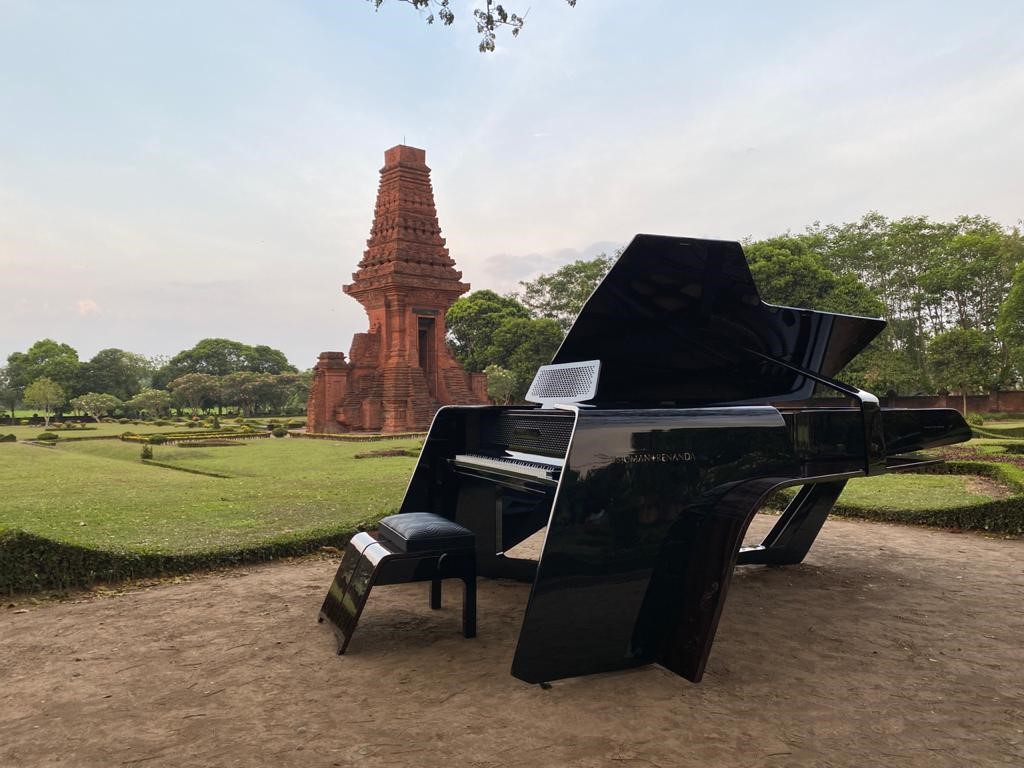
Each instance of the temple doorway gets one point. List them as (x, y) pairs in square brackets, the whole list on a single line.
[(427, 352)]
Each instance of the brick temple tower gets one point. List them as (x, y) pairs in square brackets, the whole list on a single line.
[(401, 370)]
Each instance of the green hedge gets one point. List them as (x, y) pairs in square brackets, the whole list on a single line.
[(192, 437), (65, 439), (31, 563), (996, 516), (358, 438), (998, 433)]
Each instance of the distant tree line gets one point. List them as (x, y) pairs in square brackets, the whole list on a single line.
[(215, 373), (952, 293)]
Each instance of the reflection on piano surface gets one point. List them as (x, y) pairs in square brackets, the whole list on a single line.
[(676, 404)]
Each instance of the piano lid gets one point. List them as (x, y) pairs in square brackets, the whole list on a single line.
[(678, 321)]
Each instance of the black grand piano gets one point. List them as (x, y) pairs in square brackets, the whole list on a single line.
[(677, 403)]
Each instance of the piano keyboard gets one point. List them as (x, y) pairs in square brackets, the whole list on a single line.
[(547, 471)]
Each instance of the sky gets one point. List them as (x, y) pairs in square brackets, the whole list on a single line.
[(172, 171)]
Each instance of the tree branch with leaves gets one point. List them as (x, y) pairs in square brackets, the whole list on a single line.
[(490, 17)]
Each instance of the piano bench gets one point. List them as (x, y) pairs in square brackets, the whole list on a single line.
[(415, 546), (425, 532)]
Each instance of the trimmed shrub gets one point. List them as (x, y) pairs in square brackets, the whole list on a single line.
[(124, 421), (996, 516), (994, 430), (147, 452), (158, 439), (29, 562), (8, 438), (975, 419), (48, 436), (357, 437), (279, 432), (215, 423)]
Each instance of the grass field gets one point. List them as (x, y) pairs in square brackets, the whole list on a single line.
[(905, 491), (91, 510), (100, 495)]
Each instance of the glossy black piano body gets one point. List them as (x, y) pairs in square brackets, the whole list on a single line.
[(706, 402)]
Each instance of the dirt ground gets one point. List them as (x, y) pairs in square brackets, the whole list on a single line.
[(889, 646)]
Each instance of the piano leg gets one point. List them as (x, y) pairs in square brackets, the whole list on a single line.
[(792, 536)]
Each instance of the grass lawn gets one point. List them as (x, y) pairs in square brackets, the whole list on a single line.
[(904, 491), (99, 495), (91, 510)]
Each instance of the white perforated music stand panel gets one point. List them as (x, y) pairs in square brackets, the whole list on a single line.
[(565, 383)]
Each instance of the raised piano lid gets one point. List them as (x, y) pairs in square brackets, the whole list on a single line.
[(679, 321)]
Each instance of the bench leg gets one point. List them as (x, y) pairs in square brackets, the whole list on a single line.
[(469, 605), (435, 594)]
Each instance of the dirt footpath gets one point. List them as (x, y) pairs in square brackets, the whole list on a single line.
[(891, 646)]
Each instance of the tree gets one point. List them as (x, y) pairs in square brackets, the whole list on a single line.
[(153, 402), (236, 390), (1010, 322), (250, 391), (114, 372), (264, 359), (44, 359), (787, 272), (193, 389), (969, 274), (279, 390), (472, 322), (964, 360), (300, 390), (489, 18), (561, 294), (932, 276), (10, 395), (501, 384), (219, 357), (524, 345), (214, 357), (46, 395), (96, 404)]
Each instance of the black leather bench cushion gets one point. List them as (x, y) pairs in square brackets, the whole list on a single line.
[(424, 532)]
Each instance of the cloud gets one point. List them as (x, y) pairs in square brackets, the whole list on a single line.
[(87, 307), (503, 271)]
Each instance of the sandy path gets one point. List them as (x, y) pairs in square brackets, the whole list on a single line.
[(890, 646)]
